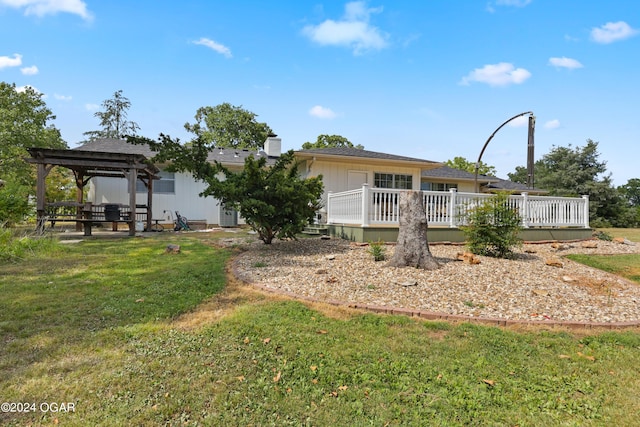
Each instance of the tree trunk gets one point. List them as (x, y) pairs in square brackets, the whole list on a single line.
[(412, 249)]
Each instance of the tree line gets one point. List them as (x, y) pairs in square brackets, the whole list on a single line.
[(26, 121)]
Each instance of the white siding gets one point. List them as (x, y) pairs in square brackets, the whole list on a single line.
[(185, 199)]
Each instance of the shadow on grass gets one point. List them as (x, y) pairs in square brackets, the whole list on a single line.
[(52, 302)]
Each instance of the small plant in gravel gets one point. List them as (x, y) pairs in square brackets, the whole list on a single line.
[(377, 250), (602, 235)]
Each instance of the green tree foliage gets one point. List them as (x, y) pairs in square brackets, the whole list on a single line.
[(493, 227), (229, 126), (631, 191), (463, 164), (273, 199), (24, 123), (113, 119), (571, 172), (327, 141)]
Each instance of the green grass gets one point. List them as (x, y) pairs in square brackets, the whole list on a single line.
[(627, 265), (632, 234), (96, 324)]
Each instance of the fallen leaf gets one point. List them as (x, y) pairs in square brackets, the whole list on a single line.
[(314, 367), (289, 390), (154, 407), (277, 377), (240, 378), (489, 382), (140, 300), (315, 381), (343, 387), (266, 340), (564, 356), (439, 377), (246, 340), (322, 331), (593, 359)]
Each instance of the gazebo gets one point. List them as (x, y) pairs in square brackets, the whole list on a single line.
[(85, 165)]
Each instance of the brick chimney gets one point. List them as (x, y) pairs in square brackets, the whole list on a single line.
[(272, 146)]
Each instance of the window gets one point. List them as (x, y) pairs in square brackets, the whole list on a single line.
[(164, 185), (437, 186), (390, 180)]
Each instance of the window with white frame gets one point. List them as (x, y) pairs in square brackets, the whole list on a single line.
[(165, 185), (391, 180)]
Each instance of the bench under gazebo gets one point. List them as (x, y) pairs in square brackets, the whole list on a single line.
[(86, 165)]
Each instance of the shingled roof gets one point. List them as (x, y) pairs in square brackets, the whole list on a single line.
[(364, 154), (226, 156), (446, 172)]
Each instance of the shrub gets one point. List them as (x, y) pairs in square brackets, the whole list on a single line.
[(602, 235), (493, 227)]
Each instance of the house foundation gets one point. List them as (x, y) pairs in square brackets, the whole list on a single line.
[(454, 235)]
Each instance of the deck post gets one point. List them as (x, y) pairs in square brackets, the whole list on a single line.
[(329, 219), (525, 209), (586, 210), (365, 205), (452, 207)]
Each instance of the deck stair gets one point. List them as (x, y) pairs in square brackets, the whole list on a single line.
[(316, 230)]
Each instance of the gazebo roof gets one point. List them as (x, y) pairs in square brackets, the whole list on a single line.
[(94, 163)]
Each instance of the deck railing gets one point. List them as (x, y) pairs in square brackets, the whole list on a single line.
[(379, 206)]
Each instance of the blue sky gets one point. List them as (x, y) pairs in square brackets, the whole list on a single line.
[(429, 79)]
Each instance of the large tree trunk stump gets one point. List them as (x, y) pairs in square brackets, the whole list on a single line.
[(412, 249)]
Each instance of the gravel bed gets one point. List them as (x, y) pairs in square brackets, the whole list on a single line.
[(524, 288)]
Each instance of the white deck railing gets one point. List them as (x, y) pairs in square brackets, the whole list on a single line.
[(379, 206)]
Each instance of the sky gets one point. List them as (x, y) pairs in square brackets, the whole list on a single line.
[(428, 79)]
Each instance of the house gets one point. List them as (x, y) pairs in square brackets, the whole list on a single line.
[(174, 191), (361, 191)]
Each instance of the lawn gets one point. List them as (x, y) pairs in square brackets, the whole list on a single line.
[(118, 332)]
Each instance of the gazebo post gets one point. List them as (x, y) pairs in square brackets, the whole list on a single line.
[(40, 197), (132, 176), (149, 201)]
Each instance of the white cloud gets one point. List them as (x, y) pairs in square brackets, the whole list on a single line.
[(41, 8), (322, 112), (91, 107), (6, 61), (552, 124), (565, 62), (22, 89), (502, 74), (29, 71), (61, 97), (221, 49), (352, 31), (612, 31)]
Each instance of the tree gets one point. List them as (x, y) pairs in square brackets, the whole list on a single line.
[(113, 119), (412, 248), (631, 191), (327, 141), (274, 200), (463, 164), (24, 123), (571, 172), (228, 126)]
